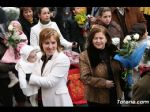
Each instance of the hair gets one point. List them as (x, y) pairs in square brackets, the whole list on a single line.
[(97, 29), (39, 9), (139, 28), (96, 55), (22, 9), (103, 9), (47, 33)]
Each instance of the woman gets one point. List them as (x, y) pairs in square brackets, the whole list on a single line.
[(54, 66), (44, 14), (99, 71), (27, 20), (105, 19)]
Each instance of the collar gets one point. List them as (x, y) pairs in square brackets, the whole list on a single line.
[(43, 58), (50, 58), (44, 25)]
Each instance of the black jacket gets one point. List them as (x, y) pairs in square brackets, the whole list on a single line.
[(26, 26)]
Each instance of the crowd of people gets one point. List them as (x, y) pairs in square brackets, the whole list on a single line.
[(34, 67)]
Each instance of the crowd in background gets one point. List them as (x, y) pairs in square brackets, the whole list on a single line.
[(89, 31)]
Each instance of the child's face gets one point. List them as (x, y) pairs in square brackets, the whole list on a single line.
[(106, 17), (16, 25), (32, 57)]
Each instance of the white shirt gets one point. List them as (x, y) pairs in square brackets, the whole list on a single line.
[(35, 31)]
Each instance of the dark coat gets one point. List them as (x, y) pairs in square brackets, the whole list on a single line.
[(75, 33), (141, 90), (26, 26), (132, 15), (95, 79)]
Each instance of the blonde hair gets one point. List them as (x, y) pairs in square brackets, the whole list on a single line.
[(47, 33)]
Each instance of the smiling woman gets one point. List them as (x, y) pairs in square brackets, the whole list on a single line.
[(99, 71), (54, 66)]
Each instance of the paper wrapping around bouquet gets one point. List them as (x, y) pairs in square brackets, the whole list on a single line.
[(134, 59)]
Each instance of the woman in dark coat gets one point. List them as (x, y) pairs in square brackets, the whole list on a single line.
[(99, 71), (6, 93), (27, 19)]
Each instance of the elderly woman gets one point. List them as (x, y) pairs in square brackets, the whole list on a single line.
[(99, 71), (54, 66)]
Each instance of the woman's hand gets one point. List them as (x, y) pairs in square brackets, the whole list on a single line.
[(109, 84), (74, 45)]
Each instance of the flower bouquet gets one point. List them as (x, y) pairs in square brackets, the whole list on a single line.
[(12, 40), (130, 56), (13, 37), (81, 17)]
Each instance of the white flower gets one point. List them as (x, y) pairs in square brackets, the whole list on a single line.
[(136, 36), (133, 44), (125, 41), (128, 37), (115, 40), (10, 28)]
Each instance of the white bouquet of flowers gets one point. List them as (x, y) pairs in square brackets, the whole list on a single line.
[(116, 41)]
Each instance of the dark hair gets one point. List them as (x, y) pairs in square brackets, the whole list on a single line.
[(98, 55), (97, 29), (139, 28), (103, 9), (39, 9), (22, 9)]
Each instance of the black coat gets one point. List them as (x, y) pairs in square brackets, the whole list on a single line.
[(26, 26), (75, 33)]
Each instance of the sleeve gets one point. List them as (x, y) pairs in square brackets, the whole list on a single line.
[(33, 38), (22, 77), (58, 72), (63, 41), (138, 91), (5, 67), (86, 74)]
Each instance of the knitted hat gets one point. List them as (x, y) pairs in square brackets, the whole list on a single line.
[(25, 51)]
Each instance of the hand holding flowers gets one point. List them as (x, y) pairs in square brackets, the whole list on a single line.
[(131, 54), (129, 44), (12, 37), (81, 17)]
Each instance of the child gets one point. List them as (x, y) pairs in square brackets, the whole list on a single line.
[(105, 19), (26, 65), (12, 54)]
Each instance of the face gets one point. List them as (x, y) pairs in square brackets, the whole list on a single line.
[(99, 40), (16, 26), (45, 14), (28, 14), (76, 10), (106, 17), (49, 46), (32, 57)]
